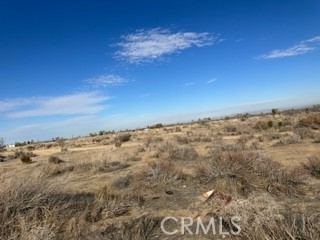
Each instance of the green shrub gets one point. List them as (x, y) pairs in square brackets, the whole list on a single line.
[(270, 124)]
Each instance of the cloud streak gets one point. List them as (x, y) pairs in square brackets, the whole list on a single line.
[(188, 84), (211, 81), (301, 48), (153, 44), (78, 103), (106, 81)]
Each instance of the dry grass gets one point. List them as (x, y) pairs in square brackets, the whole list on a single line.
[(99, 191), (160, 171), (25, 158), (54, 159), (52, 169), (248, 171), (288, 140), (313, 166), (262, 217), (172, 151), (32, 209), (312, 121)]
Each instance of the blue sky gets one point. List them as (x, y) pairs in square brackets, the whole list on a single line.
[(74, 67)]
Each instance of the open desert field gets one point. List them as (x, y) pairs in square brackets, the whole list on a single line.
[(263, 169)]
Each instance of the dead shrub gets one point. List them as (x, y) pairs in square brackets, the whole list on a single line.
[(54, 159), (244, 139), (288, 140), (313, 166), (174, 152), (152, 141), (33, 208), (273, 135), (122, 182), (161, 171), (64, 149), (53, 169), (20, 153), (262, 218), (123, 138), (31, 148), (181, 139), (105, 166), (25, 158), (118, 144), (312, 121), (229, 164), (251, 170), (231, 128), (261, 125), (229, 147), (304, 132), (145, 227), (111, 203)]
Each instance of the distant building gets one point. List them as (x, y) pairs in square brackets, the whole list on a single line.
[(10, 146)]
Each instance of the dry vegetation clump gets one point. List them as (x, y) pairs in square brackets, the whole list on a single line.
[(25, 158), (182, 139), (123, 138), (304, 132), (151, 141), (64, 149), (53, 169), (145, 227), (262, 217), (2, 158), (172, 151), (111, 203), (20, 153), (123, 182), (118, 140), (261, 125), (100, 166), (231, 128), (248, 171), (106, 166), (313, 166), (30, 148), (224, 146), (54, 159), (312, 121), (237, 129), (273, 135), (32, 209), (160, 171), (244, 139), (292, 139)]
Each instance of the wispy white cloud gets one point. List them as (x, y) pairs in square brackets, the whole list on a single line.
[(106, 80), (211, 80), (7, 105), (78, 103), (188, 84), (150, 45), (145, 95), (302, 47)]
